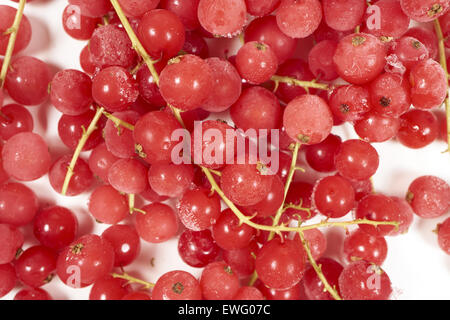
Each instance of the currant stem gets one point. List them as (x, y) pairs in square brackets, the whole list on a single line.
[(318, 269), (443, 60), (118, 122), (304, 84), (131, 199), (253, 279), (130, 279), (292, 170), (278, 229), (135, 41), (14, 29), (79, 148)]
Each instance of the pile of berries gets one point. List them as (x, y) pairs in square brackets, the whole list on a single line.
[(147, 74)]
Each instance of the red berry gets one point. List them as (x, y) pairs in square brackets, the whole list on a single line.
[(177, 285)]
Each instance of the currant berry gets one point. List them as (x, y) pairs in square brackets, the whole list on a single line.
[(89, 257), (360, 245), (424, 10), (109, 288), (314, 288), (224, 18), (107, 205), (158, 224), (19, 204), (299, 19), (362, 280), (219, 282), (343, 15), (418, 129), (333, 196), (443, 236), (186, 81), (357, 160), (429, 196), (256, 62), (11, 241), (35, 265), (308, 119), (198, 248), (177, 285), (350, 102), (351, 60), (125, 242), (81, 180), (198, 209), (15, 119)]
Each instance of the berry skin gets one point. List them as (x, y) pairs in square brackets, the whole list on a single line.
[(110, 46), (78, 26), (350, 103), (115, 89), (308, 119), (85, 261), (393, 21), (429, 197), (109, 288), (198, 209), (55, 227), (244, 184), (343, 15), (410, 51), (11, 240), (92, 8), (19, 204), (428, 85), (297, 69), (32, 294), (198, 248), (152, 135), (314, 287), (271, 203), (27, 81), (418, 129), (185, 82), (405, 216), (378, 207), (266, 30), (362, 280), (128, 176), (227, 85), (8, 279), (443, 236), (376, 128), (126, 243), (259, 8), (299, 19), (35, 265), (242, 261), (360, 245), (280, 265), (169, 179), (16, 119), (219, 282), (177, 285), (7, 15), (357, 160), (81, 180), (351, 58), (161, 33), (256, 62), (135, 9), (186, 10), (390, 95), (333, 196), (107, 205), (229, 234), (424, 10), (249, 293), (71, 92), (320, 60), (158, 224), (224, 18)]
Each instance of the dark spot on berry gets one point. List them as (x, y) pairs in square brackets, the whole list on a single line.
[(178, 288), (385, 102), (344, 108)]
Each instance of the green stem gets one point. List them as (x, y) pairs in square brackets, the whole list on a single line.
[(318, 269), (13, 30), (304, 84), (130, 279), (86, 134), (292, 170), (443, 60)]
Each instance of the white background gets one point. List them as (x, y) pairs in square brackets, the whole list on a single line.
[(418, 268)]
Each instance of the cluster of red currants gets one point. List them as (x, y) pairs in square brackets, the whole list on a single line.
[(148, 72)]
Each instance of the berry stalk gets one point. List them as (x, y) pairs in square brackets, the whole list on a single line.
[(13, 30), (81, 143), (318, 269), (292, 170), (118, 122), (135, 41), (130, 279), (443, 61), (303, 84)]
